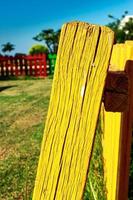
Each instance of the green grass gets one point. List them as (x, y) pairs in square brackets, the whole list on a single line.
[(95, 187), (23, 110)]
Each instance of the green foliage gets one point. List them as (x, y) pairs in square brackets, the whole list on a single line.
[(123, 32), (51, 39), (128, 29), (8, 47), (37, 49)]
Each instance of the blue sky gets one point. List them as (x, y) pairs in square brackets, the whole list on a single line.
[(20, 20)]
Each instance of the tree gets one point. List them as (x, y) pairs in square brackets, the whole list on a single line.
[(8, 47), (37, 49), (123, 31), (51, 39), (128, 29)]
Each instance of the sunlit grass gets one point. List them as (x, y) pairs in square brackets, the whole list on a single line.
[(95, 186), (23, 109)]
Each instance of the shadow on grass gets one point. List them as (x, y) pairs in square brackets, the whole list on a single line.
[(6, 87), (26, 77)]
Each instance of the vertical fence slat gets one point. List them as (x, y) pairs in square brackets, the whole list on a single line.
[(78, 84), (126, 140), (52, 61)]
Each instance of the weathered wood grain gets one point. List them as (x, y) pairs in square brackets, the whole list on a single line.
[(81, 68), (117, 131)]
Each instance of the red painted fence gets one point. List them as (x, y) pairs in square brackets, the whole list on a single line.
[(23, 65)]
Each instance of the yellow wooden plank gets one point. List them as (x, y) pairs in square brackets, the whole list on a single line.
[(81, 68), (129, 42), (112, 128)]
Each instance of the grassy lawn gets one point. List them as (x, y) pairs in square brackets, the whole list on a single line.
[(23, 110)]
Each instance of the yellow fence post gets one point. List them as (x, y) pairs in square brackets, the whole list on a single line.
[(80, 72), (117, 130)]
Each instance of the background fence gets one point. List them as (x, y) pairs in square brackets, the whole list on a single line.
[(21, 65)]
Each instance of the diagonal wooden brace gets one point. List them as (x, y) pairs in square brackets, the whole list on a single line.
[(116, 98)]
